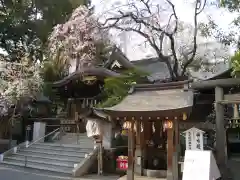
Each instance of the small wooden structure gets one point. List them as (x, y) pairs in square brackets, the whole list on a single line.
[(153, 112)]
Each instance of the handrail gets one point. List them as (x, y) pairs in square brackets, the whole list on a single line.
[(25, 156), (12, 149), (43, 137)]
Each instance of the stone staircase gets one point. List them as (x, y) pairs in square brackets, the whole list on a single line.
[(74, 138), (61, 156)]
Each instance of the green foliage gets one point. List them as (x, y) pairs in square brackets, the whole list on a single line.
[(229, 37), (235, 63), (117, 88), (211, 29), (54, 69), (232, 5), (51, 71), (26, 24)]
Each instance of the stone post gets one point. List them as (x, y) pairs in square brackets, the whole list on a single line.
[(220, 129), (39, 129)]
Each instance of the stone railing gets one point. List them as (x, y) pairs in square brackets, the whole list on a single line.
[(85, 165), (14, 150)]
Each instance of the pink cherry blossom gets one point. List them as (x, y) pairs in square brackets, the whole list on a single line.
[(77, 38)]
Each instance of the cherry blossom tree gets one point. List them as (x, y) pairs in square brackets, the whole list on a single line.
[(19, 81), (155, 22), (79, 41), (209, 51)]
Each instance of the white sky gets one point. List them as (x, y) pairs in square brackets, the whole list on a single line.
[(184, 10)]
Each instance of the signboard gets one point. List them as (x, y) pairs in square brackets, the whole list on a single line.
[(122, 164), (200, 165), (194, 139)]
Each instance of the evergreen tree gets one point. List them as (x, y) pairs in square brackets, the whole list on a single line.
[(26, 24)]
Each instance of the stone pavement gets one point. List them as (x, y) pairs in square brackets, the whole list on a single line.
[(10, 173), (234, 167), (141, 178)]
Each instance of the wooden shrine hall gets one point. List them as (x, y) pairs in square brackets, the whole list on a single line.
[(152, 113)]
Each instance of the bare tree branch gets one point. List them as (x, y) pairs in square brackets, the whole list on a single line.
[(149, 25), (147, 5), (198, 9)]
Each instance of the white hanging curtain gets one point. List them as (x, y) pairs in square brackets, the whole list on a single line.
[(93, 127)]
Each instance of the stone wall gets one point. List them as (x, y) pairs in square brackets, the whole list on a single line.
[(4, 145)]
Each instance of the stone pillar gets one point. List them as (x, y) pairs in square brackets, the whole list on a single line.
[(39, 131), (220, 129)]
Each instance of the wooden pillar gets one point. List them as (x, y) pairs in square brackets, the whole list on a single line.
[(73, 110), (130, 171), (100, 156), (220, 129), (176, 148), (170, 132), (138, 132), (138, 150)]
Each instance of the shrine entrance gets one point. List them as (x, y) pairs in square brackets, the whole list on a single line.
[(153, 112), (155, 146)]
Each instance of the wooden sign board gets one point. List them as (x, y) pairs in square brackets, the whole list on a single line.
[(194, 139), (200, 165)]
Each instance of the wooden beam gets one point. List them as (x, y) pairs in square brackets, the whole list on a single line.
[(210, 84)]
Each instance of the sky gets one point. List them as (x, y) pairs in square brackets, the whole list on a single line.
[(136, 49)]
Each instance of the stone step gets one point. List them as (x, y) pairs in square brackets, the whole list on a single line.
[(39, 166), (39, 159), (57, 144), (55, 157), (83, 145), (74, 140), (81, 148), (60, 149), (74, 134), (86, 146), (80, 139), (52, 153)]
